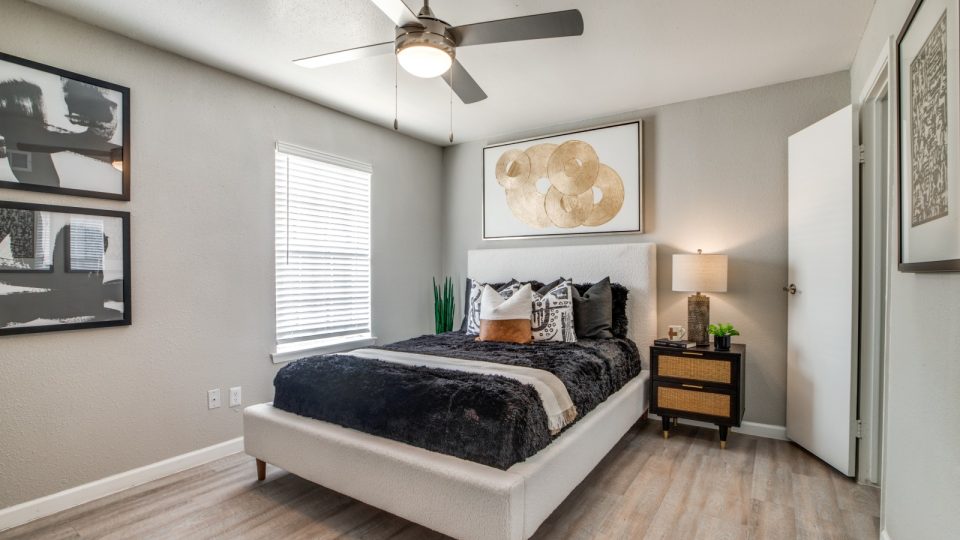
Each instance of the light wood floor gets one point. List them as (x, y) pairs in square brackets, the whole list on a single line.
[(685, 487)]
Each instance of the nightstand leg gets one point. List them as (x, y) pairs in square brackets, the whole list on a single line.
[(723, 437), (665, 421)]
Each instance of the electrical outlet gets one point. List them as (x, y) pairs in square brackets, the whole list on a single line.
[(235, 396), (213, 398)]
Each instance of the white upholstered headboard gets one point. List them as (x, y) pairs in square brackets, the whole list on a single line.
[(632, 265)]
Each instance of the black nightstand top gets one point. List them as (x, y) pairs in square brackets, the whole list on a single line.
[(736, 349)]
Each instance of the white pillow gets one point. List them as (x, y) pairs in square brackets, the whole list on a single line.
[(552, 314), (473, 309), (494, 307)]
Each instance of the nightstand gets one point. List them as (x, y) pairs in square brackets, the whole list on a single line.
[(699, 383)]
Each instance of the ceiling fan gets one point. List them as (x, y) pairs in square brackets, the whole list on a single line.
[(426, 46)]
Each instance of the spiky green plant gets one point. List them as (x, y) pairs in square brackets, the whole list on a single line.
[(722, 330), (443, 303)]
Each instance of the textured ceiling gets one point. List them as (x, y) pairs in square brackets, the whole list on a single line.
[(633, 54)]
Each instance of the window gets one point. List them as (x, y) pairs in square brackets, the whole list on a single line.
[(322, 247), (85, 245)]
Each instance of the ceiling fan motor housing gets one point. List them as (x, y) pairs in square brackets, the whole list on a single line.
[(430, 33)]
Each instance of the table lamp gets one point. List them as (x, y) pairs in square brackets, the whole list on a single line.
[(699, 273)]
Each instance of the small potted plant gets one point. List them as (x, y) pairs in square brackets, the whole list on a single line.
[(721, 335)]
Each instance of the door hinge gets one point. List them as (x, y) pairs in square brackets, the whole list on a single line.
[(863, 154), (859, 429)]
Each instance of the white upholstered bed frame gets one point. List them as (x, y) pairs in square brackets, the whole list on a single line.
[(459, 497)]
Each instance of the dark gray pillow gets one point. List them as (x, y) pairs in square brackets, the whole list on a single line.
[(542, 289), (593, 311), (620, 319)]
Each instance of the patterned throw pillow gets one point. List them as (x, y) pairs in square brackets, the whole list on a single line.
[(473, 304), (552, 318)]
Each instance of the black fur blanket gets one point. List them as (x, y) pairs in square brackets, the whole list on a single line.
[(487, 419)]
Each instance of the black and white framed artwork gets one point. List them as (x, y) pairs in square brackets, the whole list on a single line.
[(61, 132), (928, 141), (63, 268)]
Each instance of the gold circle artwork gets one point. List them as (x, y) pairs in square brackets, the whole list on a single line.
[(528, 205), (513, 167), (568, 210), (573, 167), (611, 199), (539, 157), (573, 170)]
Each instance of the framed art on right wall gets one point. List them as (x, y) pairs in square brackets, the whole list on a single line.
[(928, 137)]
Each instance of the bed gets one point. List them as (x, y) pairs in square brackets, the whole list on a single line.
[(459, 497)]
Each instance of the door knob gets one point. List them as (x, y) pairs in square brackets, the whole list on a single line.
[(792, 289)]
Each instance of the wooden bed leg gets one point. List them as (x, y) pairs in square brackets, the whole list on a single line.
[(261, 470)]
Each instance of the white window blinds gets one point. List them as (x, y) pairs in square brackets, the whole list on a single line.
[(322, 245), (85, 245)]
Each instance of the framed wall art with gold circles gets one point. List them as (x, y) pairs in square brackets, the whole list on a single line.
[(582, 182)]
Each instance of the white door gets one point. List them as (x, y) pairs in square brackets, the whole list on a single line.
[(821, 313)]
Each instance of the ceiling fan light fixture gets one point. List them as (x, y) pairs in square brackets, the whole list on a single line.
[(116, 158), (424, 61), (425, 53)]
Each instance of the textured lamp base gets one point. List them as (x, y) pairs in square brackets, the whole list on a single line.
[(698, 318)]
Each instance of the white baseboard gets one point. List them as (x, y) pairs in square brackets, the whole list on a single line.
[(884, 535), (767, 431), (25, 512)]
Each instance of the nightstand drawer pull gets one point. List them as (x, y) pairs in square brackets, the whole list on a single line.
[(693, 353), (694, 369), (692, 386), (708, 403)]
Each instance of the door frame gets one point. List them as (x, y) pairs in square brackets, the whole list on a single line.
[(875, 309)]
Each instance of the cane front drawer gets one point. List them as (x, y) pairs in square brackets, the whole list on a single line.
[(690, 399), (694, 368)]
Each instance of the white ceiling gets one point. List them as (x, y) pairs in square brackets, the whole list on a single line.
[(633, 54)]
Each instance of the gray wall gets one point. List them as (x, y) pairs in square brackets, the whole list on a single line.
[(79, 406), (921, 450), (715, 177)]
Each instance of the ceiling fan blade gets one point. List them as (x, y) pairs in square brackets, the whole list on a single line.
[(544, 25), (345, 56), (398, 12), (464, 86)]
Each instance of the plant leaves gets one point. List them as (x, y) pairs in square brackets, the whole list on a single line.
[(722, 330)]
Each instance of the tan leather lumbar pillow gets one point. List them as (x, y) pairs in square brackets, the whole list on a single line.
[(506, 319)]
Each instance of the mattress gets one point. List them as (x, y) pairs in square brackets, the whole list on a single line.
[(492, 420)]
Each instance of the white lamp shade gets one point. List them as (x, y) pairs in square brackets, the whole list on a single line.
[(700, 273), (424, 61)]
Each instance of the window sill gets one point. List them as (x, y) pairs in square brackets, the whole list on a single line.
[(295, 351)]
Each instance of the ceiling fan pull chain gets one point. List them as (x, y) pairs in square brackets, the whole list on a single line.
[(396, 101), (451, 104)]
